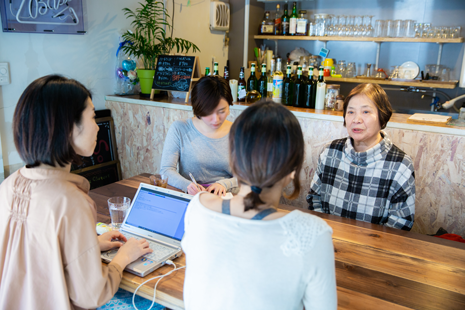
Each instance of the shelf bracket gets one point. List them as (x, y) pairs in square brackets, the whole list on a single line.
[(325, 44), (439, 53), (378, 50)]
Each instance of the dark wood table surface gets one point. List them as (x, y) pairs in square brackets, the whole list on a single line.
[(376, 267)]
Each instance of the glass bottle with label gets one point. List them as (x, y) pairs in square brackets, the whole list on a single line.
[(215, 69), (241, 87), (226, 73), (277, 21), (262, 82), (285, 22), (301, 29), (267, 26), (252, 81), (293, 20), (278, 82), (320, 91), (298, 89), (207, 71), (288, 88), (269, 78), (310, 90)]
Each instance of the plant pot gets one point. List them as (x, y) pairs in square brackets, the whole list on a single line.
[(145, 80)]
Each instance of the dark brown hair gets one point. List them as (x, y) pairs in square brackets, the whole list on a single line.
[(266, 144), (44, 119), (208, 92), (378, 96)]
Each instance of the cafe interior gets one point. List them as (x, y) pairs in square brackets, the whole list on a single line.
[(376, 267)]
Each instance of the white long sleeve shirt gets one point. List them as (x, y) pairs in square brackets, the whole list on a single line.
[(236, 263)]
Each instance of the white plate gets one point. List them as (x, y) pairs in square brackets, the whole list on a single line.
[(409, 70)]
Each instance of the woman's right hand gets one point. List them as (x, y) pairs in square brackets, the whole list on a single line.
[(130, 251), (192, 189)]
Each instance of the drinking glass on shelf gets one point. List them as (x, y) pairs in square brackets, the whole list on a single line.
[(341, 26), (351, 25), (455, 33), (359, 25), (444, 75), (379, 28), (409, 28), (418, 28), (368, 26), (399, 28), (426, 30), (351, 71), (390, 29), (444, 32)]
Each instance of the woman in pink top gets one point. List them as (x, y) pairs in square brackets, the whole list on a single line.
[(49, 251)]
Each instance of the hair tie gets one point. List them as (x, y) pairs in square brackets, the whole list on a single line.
[(256, 190)]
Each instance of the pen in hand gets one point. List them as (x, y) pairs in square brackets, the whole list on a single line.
[(195, 182)]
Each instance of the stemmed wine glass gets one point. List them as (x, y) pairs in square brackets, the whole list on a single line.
[(350, 26), (341, 26), (358, 28), (369, 28)]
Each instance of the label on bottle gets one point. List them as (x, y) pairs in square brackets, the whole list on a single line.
[(277, 21), (299, 72), (277, 88), (292, 25), (267, 29), (241, 92), (252, 69), (285, 27), (263, 69), (301, 26), (269, 87), (288, 70)]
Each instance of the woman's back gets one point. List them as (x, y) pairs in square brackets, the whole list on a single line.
[(49, 252), (236, 263)]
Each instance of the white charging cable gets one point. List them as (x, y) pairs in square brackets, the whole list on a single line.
[(169, 262)]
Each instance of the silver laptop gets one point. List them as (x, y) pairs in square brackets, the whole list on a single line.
[(157, 215)]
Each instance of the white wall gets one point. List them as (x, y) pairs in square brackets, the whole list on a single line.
[(89, 58)]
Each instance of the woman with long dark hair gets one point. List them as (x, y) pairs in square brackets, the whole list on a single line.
[(244, 253)]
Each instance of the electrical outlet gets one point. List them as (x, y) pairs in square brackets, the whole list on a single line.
[(4, 73)]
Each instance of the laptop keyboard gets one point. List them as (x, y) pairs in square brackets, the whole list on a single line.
[(160, 251)]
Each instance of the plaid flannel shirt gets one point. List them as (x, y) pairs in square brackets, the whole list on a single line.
[(376, 186)]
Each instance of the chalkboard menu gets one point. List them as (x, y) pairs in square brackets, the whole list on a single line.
[(102, 174), (174, 72)]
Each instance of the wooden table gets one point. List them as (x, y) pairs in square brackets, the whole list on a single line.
[(376, 267)]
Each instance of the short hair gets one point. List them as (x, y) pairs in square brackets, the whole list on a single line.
[(44, 119), (266, 144), (378, 96), (208, 92)]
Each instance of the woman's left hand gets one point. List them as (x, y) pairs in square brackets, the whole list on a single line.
[(217, 189), (105, 242)]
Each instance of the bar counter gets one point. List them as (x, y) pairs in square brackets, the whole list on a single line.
[(438, 152)]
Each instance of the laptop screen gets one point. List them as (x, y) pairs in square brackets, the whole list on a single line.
[(158, 212)]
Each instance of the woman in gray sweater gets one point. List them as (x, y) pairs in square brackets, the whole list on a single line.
[(199, 145)]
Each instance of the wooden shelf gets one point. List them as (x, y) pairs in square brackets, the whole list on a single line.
[(415, 83), (360, 39)]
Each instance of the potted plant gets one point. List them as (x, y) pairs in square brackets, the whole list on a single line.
[(149, 39)]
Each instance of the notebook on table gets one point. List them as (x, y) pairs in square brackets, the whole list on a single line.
[(157, 215)]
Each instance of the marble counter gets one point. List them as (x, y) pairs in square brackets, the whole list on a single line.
[(438, 152)]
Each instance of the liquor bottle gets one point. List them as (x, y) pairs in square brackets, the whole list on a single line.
[(298, 89), (215, 69), (288, 88), (320, 91), (293, 20), (269, 79), (241, 87), (278, 82), (267, 25), (252, 81), (262, 83), (207, 71), (226, 73), (278, 22), (310, 90), (285, 22)]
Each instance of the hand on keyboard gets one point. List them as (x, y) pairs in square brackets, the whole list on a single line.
[(132, 250)]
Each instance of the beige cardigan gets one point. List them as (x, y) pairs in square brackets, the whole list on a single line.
[(49, 252)]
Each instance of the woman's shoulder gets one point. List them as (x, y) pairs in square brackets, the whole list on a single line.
[(181, 125), (395, 154), (303, 231)]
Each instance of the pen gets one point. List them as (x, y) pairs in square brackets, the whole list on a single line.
[(195, 182)]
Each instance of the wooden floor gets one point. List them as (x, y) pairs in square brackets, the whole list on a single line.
[(376, 267)]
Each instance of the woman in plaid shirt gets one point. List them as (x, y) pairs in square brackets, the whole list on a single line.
[(365, 176)]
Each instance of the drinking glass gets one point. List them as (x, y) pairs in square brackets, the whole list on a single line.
[(351, 70), (444, 76), (379, 28), (409, 28), (456, 32), (390, 29), (341, 26), (399, 28), (418, 29), (350, 25), (358, 26), (426, 30), (341, 68), (444, 31), (118, 209), (369, 28), (161, 180)]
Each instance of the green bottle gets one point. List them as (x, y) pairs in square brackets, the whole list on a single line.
[(207, 71), (299, 89), (285, 22), (310, 90), (293, 20), (252, 81), (262, 83), (288, 88)]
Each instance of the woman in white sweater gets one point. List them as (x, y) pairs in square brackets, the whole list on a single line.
[(245, 254)]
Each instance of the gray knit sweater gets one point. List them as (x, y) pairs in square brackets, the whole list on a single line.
[(190, 151)]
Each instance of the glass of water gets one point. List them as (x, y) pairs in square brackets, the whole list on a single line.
[(119, 207)]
